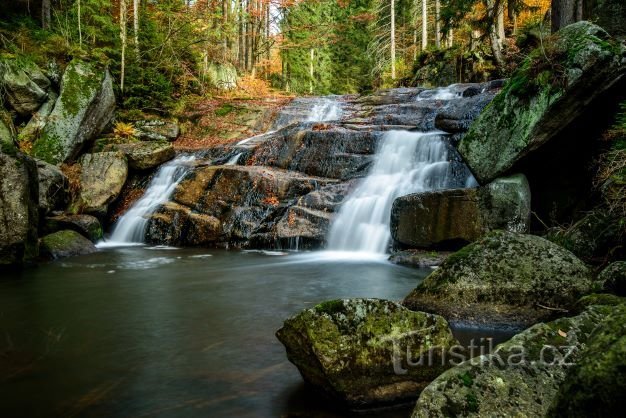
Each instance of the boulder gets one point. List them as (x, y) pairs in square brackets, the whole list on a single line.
[(25, 85), (504, 278), (222, 76), (146, 155), (354, 350), (596, 384), (18, 207), (86, 225), (613, 278), (102, 177), (540, 101), (521, 377), (156, 130), (54, 188), (7, 129), (449, 219), (419, 258), (85, 106), (65, 244), (175, 224), (458, 115), (36, 124)]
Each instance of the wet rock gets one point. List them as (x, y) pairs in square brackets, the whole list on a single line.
[(25, 85), (85, 106), (458, 115), (175, 224), (613, 278), (54, 188), (504, 278), (521, 377), (102, 177), (350, 349), (65, 244), (146, 155), (419, 258), (86, 225), (539, 103), (18, 207), (449, 219), (157, 130)]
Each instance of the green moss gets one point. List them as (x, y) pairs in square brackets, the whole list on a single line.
[(331, 307), (48, 148), (224, 109), (472, 402), (8, 149), (466, 379)]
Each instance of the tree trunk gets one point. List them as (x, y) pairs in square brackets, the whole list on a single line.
[(46, 15), (80, 29), (565, 12), (437, 24), (393, 40), (136, 26), (424, 25), (512, 16), (123, 12), (500, 23), (311, 70)]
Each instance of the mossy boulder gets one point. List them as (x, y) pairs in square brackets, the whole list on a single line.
[(146, 155), (65, 243), (419, 258), (157, 130), (102, 178), (553, 87), (85, 106), (18, 207), (596, 384), (355, 350), (39, 119), (449, 219), (25, 85), (222, 76), (505, 278), (86, 225), (7, 129), (613, 278), (521, 377)]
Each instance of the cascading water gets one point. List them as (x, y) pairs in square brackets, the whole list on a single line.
[(406, 162), (325, 110), (131, 227)]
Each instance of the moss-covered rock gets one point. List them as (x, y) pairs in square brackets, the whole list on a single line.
[(521, 377), (65, 244), (222, 76), (613, 278), (553, 87), (449, 219), (157, 130), (595, 386), (102, 177), (86, 225), (504, 278), (18, 207), (38, 121), (24, 83), (146, 155), (85, 106), (355, 349), (7, 129)]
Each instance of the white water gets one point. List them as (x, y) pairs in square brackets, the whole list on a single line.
[(131, 227), (325, 109), (443, 93), (406, 162), (234, 159)]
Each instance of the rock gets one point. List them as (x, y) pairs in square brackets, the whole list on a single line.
[(520, 378), (449, 219), (18, 207), (592, 237), (504, 278), (146, 155), (539, 102), (614, 278), (222, 76), (175, 224), (54, 188), (7, 129), (65, 244), (157, 130), (353, 349), (458, 115), (25, 85), (419, 258), (102, 177), (36, 124), (85, 106), (596, 384), (86, 225), (609, 14)]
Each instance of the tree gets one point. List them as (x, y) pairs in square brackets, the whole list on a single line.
[(123, 39), (392, 41), (565, 12), (424, 25)]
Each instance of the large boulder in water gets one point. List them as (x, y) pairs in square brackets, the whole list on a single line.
[(523, 376), (65, 243), (84, 107), (504, 278), (542, 99), (355, 350), (455, 217), (18, 207), (175, 224), (102, 177), (25, 85), (86, 225)]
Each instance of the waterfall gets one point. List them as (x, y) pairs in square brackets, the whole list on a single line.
[(325, 109), (130, 228), (442, 93), (406, 162), (234, 159)]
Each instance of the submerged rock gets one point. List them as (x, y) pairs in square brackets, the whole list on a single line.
[(522, 376), (65, 244), (54, 188), (505, 278), (86, 225), (449, 219), (18, 207), (541, 100), (102, 177), (613, 278), (355, 350), (85, 106), (146, 155)]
